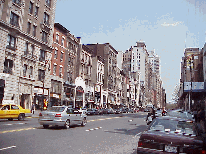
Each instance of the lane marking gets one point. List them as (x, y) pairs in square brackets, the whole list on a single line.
[(16, 130), (102, 119), (8, 147), (93, 129)]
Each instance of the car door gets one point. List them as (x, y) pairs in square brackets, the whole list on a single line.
[(70, 115), (5, 112), (14, 113), (78, 119)]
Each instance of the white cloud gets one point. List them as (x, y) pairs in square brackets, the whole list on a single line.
[(172, 24)]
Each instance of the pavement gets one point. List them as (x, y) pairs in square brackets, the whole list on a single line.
[(36, 114)]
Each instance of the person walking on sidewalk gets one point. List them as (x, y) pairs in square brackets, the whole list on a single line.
[(32, 108)]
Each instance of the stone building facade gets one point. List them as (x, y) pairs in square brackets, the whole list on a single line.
[(26, 44)]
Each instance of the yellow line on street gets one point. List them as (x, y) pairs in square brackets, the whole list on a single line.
[(16, 130)]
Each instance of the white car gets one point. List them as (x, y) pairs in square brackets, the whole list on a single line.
[(62, 116)]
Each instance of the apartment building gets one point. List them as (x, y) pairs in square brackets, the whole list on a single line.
[(26, 36), (84, 85)]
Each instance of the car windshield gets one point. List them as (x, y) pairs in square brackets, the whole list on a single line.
[(172, 126), (56, 109)]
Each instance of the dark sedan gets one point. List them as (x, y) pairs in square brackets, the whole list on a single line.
[(171, 135)]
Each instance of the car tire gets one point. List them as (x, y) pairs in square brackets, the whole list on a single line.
[(21, 117), (67, 124), (10, 119), (84, 122), (46, 126)]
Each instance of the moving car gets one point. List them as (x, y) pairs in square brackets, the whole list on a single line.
[(13, 111), (171, 135), (61, 116)]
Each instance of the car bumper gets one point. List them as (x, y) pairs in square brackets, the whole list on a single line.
[(51, 122), (28, 114), (141, 150)]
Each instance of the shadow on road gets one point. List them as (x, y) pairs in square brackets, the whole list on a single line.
[(134, 131)]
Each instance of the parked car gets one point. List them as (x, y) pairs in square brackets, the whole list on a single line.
[(61, 116), (92, 111), (171, 135), (12, 111), (136, 110), (110, 111), (83, 110), (101, 111), (117, 111), (96, 111)]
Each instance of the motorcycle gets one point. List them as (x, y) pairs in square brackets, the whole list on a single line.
[(164, 113)]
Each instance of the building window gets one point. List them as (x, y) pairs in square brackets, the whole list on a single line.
[(36, 11), (54, 69), (61, 57), (26, 51), (8, 65), (14, 19), (17, 1), (48, 3), (44, 36), (42, 55), (32, 50), (24, 70), (46, 18), (69, 60), (57, 38), (62, 42), (55, 53), (28, 27), (34, 31), (60, 72), (30, 72), (41, 75), (11, 42), (31, 8)]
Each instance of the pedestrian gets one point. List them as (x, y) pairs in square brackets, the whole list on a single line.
[(201, 118), (33, 108)]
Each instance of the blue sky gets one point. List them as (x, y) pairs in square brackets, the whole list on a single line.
[(166, 26)]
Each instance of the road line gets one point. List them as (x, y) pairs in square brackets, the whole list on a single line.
[(16, 130), (8, 147)]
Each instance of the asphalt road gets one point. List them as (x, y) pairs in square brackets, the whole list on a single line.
[(106, 134)]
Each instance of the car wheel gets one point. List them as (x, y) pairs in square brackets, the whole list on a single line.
[(67, 124), (10, 119), (84, 122), (46, 126), (21, 117)]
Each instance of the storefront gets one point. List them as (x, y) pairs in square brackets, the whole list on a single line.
[(79, 93), (79, 97), (39, 97), (69, 93)]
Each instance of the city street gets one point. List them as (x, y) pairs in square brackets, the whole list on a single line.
[(116, 133)]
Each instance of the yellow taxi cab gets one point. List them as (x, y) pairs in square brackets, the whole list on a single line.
[(13, 111)]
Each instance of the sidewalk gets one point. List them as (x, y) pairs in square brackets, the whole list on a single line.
[(36, 114)]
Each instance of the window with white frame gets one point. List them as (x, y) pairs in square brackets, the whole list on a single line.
[(55, 53), (54, 69), (14, 19)]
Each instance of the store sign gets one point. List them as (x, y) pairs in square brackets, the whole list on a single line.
[(196, 86)]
